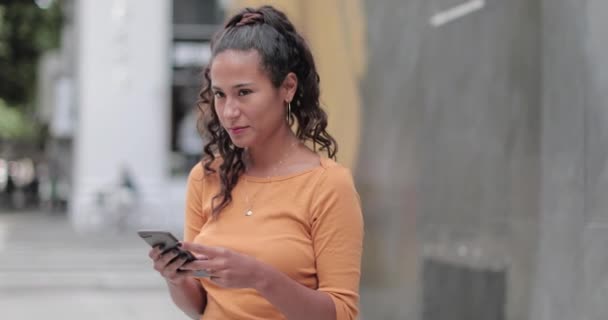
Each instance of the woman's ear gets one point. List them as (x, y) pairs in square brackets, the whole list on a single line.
[(289, 86)]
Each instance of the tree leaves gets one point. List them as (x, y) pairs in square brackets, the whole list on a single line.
[(25, 32)]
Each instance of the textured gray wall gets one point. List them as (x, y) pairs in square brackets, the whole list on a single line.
[(572, 279), (596, 235), (449, 163), (386, 172)]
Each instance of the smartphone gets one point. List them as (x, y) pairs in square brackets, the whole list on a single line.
[(168, 241)]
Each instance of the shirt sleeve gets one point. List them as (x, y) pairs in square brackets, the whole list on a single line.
[(337, 233), (194, 217)]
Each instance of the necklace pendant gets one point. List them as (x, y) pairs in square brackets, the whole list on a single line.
[(249, 213)]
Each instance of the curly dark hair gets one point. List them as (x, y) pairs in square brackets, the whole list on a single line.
[(282, 50)]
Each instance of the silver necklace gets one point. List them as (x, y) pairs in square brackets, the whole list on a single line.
[(249, 204)]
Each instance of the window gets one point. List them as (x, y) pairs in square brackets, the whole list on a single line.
[(194, 23)]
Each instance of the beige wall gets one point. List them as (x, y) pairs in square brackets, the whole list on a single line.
[(335, 30)]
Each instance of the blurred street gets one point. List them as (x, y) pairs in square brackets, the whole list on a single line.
[(47, 270)]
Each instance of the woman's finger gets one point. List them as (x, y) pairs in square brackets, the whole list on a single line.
[(173, 266), (170, 270), (219, 278), (167, 257), (155, 253), (209, 265), (200, 256), (209, 252)]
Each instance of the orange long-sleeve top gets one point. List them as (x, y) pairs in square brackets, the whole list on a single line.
[(308, 225)]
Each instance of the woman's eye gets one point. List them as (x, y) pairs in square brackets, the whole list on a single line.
[(244, 92), (218, 94)]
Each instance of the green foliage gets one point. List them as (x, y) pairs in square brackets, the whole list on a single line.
[(25, 32), (14, 125)]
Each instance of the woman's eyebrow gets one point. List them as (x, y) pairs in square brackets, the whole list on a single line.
[(236, 86), (240, 85)]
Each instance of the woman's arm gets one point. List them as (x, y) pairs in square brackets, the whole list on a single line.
[(337, 234), (186, 292), (294, 300), (230, 269), (189, 296)]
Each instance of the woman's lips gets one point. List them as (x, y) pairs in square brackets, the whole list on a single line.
[(237, 130)]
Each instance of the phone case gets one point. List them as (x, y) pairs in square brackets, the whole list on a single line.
[(168, 241), (155, 238)]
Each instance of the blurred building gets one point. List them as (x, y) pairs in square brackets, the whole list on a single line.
[(476, 131), (119, 99)]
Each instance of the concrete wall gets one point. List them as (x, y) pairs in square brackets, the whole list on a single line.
[(572, 280), (449, 161), (596, 131)]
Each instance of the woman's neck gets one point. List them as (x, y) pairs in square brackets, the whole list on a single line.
[(274, 152)]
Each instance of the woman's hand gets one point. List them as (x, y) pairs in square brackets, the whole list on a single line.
[(168, 265), (227, 268)]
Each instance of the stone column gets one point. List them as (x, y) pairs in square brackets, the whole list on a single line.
[(572, 275), (123, 88)]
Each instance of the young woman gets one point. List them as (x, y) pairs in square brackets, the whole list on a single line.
[(278, 227)]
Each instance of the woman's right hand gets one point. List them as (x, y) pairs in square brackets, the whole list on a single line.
[(168, 263)]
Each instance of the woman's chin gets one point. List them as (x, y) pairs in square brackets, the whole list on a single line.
[(240, 142), (239, 145)]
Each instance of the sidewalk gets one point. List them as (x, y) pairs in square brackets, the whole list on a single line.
[(46, 269)]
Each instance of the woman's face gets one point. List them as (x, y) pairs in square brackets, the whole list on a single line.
[(248, 106)]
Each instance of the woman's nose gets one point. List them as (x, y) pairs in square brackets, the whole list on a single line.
[(231, 109)]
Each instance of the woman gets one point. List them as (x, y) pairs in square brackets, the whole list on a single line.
[(278, 227)]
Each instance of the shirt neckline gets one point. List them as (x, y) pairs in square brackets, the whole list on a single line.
[(322, 164)]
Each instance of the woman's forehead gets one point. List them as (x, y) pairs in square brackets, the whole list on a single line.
[(235, 63)]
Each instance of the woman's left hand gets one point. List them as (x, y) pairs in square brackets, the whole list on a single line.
[(227, 268)]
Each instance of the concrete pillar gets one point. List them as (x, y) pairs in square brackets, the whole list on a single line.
[(572, 276), (123, 88), (596, 236)]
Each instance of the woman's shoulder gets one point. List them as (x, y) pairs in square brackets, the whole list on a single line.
[(335, 175), (205, 169), (332, 167)]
